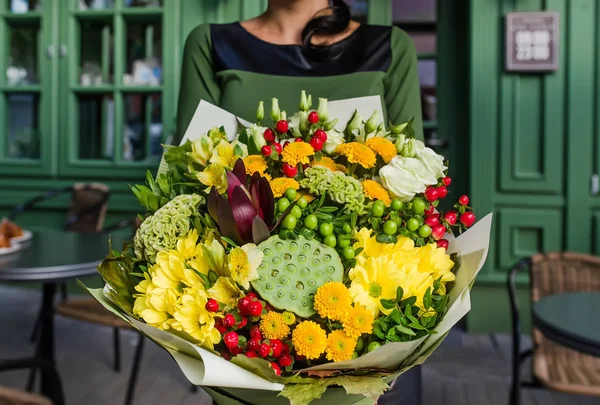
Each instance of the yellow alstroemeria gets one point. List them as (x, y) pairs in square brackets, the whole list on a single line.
[(226, 292), (243, 264), (196, 320), (227, 153), (213, 253), (214, 175), (168, 272), (188, 246), (156, 306), (202, 149)]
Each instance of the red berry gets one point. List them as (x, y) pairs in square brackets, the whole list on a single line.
[(264, 350), (252, 295), (450, 217), (313, 117), (429, 211), (244, 305), (277, 347), (266, 150), (229, 320), (254, 344), (442, 192), (431, 194), (242, 323), (230, 339), (235, 350), (255, 308), (322, 135), (255, 333), (220, 327), (464, 200), (446, 181), (467, 219), (269, 135), (442, 243), (212, 305), (282, 126), (298, 140), (276, 368), (251, 354), (285, 360), (438, 232), (316, 143), (226, 355), (299, 357), (277, 147), (289, 171), (432, 220), (286, 348)]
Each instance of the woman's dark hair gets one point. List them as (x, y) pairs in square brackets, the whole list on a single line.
[(333, 22)]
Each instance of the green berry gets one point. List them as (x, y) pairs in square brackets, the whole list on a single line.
[(396, 204), (311, 222), (424, 231), (290, 194), (289, 222), (354, 355), (296, 211), (283, 204), (412, 224), (418, 206), (360, 345), (330, 240), (347, 228), (373, 346), (390, 227), (302, 203), (325, 229), (348, 253), (378, 208), (343, 240)]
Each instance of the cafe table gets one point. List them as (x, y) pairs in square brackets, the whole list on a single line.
[(49, 258)]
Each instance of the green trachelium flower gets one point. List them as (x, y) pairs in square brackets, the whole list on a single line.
[(160, 231), (339, 187)]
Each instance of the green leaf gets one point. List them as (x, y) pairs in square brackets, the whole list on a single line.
[(303, 394), (237, 149), (399, 294), (307, 233), (392, 336), (354, 220), (382, 238), (329, 209), (229, 241), (408, 301), (427, 299), (388, 304), (395, 316), (260, 367), (324, 217), (371, 387), (405, 330)]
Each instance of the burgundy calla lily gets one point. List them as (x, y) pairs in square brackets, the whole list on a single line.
[(247, 214)]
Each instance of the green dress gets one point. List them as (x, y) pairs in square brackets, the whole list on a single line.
[(228, 66)]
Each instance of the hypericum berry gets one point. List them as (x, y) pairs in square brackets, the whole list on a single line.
[(255, 333), (255, 308), (429, 211), (442, 243), (322, 135), (431, 194), (277, 347), (220, 327), (242, 323), (212, 305), (282, 126), (229, 320), (313, 117), (276, 368), (298, 140), (252, 295), (316, 143), (432, 220), (467, 219), (438, 232), (254, 344), (252, 354), (450, 217), (446, 181), (244, 305), (235, 350), (266, 150), (277, 147), (285, 360), (230, 339), (269, 135), (286, 348), (289, 171), (264, 350), (442, 192), (464, 200)]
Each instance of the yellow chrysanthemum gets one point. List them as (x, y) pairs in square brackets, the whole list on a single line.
[(281, 184), (255, 164), (333, 300), (330, 164), (358, 153), (358, 320), (196, 320), (297, 152), (273, 326), (309, 340), (226, 292), (214, 175), (155, 305), (340, 346), (243, 264), (383, 147), (375, 191), (171, 271), (289, 318), (368, 242)]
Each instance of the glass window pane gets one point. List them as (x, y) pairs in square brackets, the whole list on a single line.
[(143, 131), (96, 126), (144, 55), (359, 9), (23, 126), (22, 66), (95, 4), (143, 3), (24, 6), (96, 55), (411, 11)]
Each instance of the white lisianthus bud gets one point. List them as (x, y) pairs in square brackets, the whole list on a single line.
[(334, 139), (304, 101), (260, 112), (294, 125), (372, 122), (355, 123), (304, 125), (323, 111), (330, 125), (275, 111), (257, 134)]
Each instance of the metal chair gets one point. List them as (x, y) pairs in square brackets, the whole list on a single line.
[(10, 396), (553, 366)]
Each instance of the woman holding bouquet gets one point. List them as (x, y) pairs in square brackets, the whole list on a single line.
[(296, 45)]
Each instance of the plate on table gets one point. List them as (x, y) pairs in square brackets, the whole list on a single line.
[(23, 238)]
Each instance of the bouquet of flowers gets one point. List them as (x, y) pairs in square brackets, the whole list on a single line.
[(304, 260)]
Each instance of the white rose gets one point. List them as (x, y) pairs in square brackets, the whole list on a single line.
[(294, 125), (258, 135), (405, 177), (434, 162), (334, 139)]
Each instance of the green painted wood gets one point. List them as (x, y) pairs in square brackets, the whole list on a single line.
[(379, 12)]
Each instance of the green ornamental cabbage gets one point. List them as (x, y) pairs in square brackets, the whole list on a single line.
[(160, 231)]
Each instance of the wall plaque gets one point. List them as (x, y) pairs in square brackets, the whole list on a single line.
[(532, 41)]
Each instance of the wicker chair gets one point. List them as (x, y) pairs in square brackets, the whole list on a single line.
[(554, 366), (11, 396)]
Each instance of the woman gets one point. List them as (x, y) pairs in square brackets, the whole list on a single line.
[(296, 45)]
